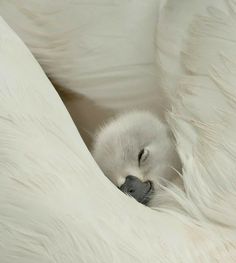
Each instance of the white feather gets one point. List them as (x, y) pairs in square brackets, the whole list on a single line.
[(56, 205), (102, 49), (203, 120)]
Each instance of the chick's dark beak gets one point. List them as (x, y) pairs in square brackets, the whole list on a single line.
[(139, 190)]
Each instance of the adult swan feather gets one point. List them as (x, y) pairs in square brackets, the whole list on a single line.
[(55, 203)]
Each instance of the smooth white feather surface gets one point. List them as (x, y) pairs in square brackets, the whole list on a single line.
[(56, 205), (104, 49)]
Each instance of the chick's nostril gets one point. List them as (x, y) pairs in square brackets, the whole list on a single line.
[(131, 191)]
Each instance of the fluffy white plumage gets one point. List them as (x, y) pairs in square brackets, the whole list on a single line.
[(46, 213), (117, 147)]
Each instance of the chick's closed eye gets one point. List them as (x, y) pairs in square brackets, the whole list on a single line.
[(142, 156)]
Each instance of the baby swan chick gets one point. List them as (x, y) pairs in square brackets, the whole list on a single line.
[(136, 152)]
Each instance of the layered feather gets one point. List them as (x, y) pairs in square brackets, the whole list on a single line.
[(203, 121), (57, 206), (104, 50)]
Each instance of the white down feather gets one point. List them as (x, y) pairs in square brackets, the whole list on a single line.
[(40, 217)]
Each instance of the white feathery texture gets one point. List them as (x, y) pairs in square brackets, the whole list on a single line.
[(103, 49), (172, 34), (203, 113), (55, 203)]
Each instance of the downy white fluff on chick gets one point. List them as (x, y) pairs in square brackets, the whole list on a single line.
[(136, 152)]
